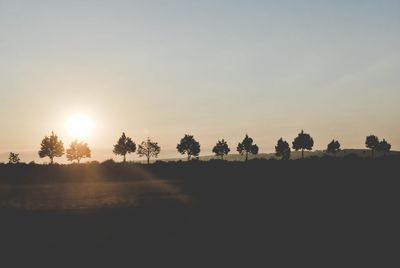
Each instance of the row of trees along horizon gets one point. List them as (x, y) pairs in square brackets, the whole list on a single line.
[(52, 147)]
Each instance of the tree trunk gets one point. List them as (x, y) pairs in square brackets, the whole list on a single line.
[(188, 157), (124, 158), (79, 160), (222, 157), (247, 156), (51, 160), (302, 153), (148, 160)]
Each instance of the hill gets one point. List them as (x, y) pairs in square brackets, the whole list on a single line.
[(364, 153)]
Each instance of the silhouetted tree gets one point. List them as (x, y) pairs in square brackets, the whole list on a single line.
[(188, 145), (384, 147), (283, 149), (303, 142), (254, 149), (372, 142), (333, 147), (246, 146), (13, 158), (221, 149), (124, 146), (149, 149), (51, 147), (77, 151)]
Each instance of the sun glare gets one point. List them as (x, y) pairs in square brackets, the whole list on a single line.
[(79, 126)]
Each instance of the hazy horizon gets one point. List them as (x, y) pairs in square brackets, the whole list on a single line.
[(211, 69)]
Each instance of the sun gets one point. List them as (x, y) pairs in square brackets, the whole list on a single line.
[(79, 126)]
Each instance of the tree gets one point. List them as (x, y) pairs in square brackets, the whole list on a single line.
[(303, 142), (13, 158), (333, 147), (283, 149), (51, 147), (372, 142), (384, 147), (124, 146), (77, 151), (149, 149), (188, 145), (246, 146), (254, 149), (221, 149)]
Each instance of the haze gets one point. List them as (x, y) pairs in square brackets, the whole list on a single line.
[(213, 69)]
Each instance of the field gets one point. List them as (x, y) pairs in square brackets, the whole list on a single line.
[(312, 212)]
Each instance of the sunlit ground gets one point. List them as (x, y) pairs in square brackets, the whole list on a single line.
[(88, 195)]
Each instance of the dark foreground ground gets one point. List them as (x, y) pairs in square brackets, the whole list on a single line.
[(316, 212)]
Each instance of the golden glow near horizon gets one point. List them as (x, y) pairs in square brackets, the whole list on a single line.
[(79, 126), (265, 68)]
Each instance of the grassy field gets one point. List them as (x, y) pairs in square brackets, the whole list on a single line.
[(315, 212), (87, 195)]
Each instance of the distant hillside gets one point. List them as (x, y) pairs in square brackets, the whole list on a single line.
[(294, 155), (27, 156)]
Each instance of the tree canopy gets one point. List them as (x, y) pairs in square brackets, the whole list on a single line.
[(384, 146), (247, 147), (333, 147), (188, 145), (372, 142), (124, 146), (282, 149), (149, 149), (77, 151), (13, 158), (221, 148), (51, 147), (303, 142)]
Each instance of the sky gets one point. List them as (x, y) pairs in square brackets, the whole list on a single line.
[(213, 69)]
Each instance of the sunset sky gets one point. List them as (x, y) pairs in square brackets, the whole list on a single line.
[(213, 69)]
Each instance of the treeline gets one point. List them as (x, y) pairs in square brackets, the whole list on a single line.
[(52, 147)]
